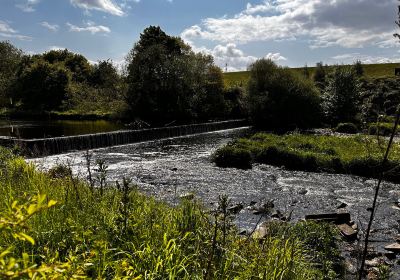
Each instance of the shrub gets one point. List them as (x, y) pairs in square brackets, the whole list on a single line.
[(280, 99), (230, 156), (381, 129), (341, 95), (350, 128), (357, 155)]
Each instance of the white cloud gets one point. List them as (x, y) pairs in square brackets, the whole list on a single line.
[(27, 6), (5, 27), (234, 59), (349, 58), (275, 57), (107, 6), (55, 48), (346, 23), (90, 27), (51, 27), (7, 31)]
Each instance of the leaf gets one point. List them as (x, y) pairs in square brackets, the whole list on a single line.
[(51, 203), (31, 209), (26, 237)]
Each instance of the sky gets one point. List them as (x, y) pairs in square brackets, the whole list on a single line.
[(293, 33)]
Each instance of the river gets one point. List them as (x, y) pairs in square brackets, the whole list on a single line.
[(169, 168)]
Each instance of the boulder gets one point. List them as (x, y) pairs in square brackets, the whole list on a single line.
[(395, 248), (347, 231)]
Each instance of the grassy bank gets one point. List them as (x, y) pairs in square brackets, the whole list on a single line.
[(357, 155), (370, 71), (56, 226)]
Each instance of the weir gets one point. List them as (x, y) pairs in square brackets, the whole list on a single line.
[(58, 145)]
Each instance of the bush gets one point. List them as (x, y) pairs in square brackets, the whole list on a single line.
[(350, 128), (357, 155), (341, 95), (381, 129), (230, 156), (281, 100), (291, 160)]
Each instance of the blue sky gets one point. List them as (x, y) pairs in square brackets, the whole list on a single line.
[(235, 32)]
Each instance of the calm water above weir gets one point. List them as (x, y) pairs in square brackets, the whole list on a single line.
[(169, 168), (28, 129)]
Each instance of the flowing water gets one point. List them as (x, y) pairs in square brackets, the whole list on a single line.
[(169, 168)]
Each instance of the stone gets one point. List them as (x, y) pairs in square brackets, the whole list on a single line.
[(260, 232), (303, 191), (339, 218), (347, 231), (236, 208), (394, 247), (187, 196), (374, 262), (354, 226), (342, 205)]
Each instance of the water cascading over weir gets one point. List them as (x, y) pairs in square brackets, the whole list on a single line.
[(58, 145)]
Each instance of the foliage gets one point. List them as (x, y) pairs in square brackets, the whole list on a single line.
[(123, 234), (380, 128), (320, 74), (42, 86), (167, 81), (371, 71), (357, 155), (236, 102), (341, 96), (350, 128), (10, 60), (358, 68), (380, 97), (279, 99), (230, 156)]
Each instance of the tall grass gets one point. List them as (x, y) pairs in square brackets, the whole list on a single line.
[(54, 226), (357, 155)]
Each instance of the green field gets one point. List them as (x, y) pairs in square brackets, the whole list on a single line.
[(371, 71)]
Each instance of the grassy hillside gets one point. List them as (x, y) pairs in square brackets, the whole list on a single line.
[(371, 70)]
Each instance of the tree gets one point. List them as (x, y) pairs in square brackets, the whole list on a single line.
[(10, 62), (280, 99), (42, 86), (166, 80), (320, 75), (76, 63), (358, 68), (341, 95)]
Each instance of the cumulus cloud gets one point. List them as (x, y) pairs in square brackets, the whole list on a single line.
[(6, 31), (51, 27), (234, 59), (346, 23), (90, 27), (107, 6), (27, 6)]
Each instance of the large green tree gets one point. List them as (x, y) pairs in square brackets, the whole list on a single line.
[(280, 99), (167, 81), (10, 63), (42, 86), (341, 95)]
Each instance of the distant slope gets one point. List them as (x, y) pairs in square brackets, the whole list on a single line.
[(371, 71)]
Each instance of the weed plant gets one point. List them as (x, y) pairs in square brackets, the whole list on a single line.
[(58, 227)]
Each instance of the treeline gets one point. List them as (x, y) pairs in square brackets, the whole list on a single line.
[(335, 96), (163, 80)]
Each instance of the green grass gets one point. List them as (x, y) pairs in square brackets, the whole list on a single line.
[(55, 226), (370, 71), (357, 155)]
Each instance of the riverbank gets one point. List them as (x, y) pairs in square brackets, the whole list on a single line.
[(118, 232), (356, 155)]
